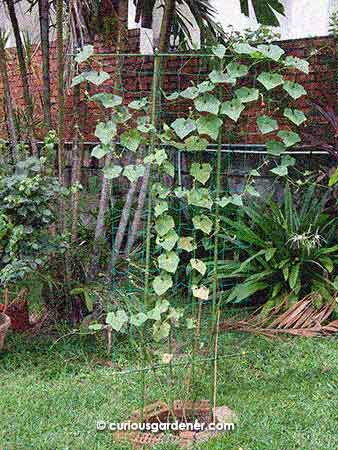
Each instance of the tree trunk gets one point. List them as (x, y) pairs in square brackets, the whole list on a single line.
[(44, 36), (163, 46), (13, 138), (61, 106), (76, 163), (23, 73)]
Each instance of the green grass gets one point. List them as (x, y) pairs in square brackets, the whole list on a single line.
[(283, 391)]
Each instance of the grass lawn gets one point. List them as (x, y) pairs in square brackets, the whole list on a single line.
[(283, 391)]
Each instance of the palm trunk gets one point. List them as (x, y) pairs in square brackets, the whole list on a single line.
[(106, 183), (13, 138), (23, 72), (163, 46), (76, 164), (44, 36)]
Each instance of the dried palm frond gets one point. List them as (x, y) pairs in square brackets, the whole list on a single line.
[(301, 319)]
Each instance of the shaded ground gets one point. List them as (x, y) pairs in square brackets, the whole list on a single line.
[(284, 392)]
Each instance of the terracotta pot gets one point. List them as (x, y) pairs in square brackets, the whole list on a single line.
[(5, 323)]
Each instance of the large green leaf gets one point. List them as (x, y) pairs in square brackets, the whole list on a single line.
[(190, 93), (295, 90), (297, 63), (244, 49), (266, 124), (203, 223), (205, 86), (168, 241), (195, 143), (246, 94), (96, 78), (162, 283), (164, 224), (232, 109), (112, 172), (117, 320), (209, 125), (207, 103), (161, 207), (161, 330), (271, 51), (200, 197), (85, 53), (295, 115), (183, 127), (201, 172), (236, 70), (198, 265), (107, 100), (133, 172), (99, 151), (138, 104), (187, 243), (131, 139), (289, 137), (219, 51), (216, 76), (201, 292), (270, 80), (138, 319), (168, 261), (275, 147), (105, 131)]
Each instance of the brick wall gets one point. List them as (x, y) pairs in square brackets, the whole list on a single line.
[(179, 73)]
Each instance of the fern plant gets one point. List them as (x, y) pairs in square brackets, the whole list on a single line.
[(283, 250)]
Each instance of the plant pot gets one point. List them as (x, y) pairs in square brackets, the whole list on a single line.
[(5, 323)]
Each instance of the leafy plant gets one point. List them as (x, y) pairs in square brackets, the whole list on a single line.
[(283, 250)]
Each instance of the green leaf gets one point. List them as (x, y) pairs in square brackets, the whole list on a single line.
[(164, 224), (224, 201), (198, 265), (232, 109), (254, 173), (294, 274), (138, 319), (275, 147), (138, 104), (99, 151), (244, 49), (183, 127), (266, 124), (168, 261), (270, 80), (289, 137), (333, 178), (236, 70), (297, 63), (207, 103), (205, 86), (144, 125), (216, 76), (78, 80), (187, 243), (117, 320), (180, 192), (171, 97), (252, 191), (105, 131), (219, 51), (236, 200), (201, 172), (168, 241), (209, 125), (281, 171), (200, 197), (203, 223), (95, 326), (162, 283), (195, 143), (288, 160), (327, 263), (201, 292), (271, 51), (160, 156), (107, 100), (190, 93), (111, 172), (133, 172), (270, 253), (131, 139), (191, 323), (96, 78), (85, 53), (295, 90), (246, 94), (295, 115), (161, 207), (161, 331), (154, 314), (169, 168), (160, 191)]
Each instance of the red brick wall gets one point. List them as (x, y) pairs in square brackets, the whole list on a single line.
[(137, 74)]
